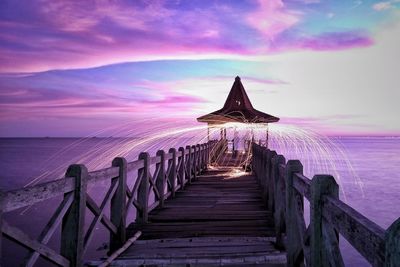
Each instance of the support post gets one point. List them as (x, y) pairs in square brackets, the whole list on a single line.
[(194, 161), (199, 160), (182, 167), (292, 244), (172, 172), (160, 179), (73, 223), (320, 185), (143, 190), (392, 245), (118, 205), (189, 165), (280, 201), (270, 183)]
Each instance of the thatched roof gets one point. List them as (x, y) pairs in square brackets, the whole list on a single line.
[(237, 108)]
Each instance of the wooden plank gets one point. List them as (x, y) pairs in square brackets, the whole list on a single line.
[(23, 239), (30, 195), (103, 174), (363, 234), (50, 228)]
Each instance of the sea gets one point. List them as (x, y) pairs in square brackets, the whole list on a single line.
[(369, 182)]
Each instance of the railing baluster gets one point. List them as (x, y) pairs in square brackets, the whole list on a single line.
[(143, 190), (280, 205), (320, 185), (72, 230), (270, 182), (189, 165), (392, 245), (182, 167), (292, 244), (160, 180), (172, 172), (194, 162), (198, 159), (118, 205)]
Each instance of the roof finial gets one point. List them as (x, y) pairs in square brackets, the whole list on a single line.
[(237, 78)]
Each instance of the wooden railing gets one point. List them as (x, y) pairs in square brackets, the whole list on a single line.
[(172, 171), (284, 189)]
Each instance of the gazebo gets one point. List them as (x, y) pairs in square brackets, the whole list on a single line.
[(237, 109)]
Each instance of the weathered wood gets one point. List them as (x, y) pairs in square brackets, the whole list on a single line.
[(363, 234), (271, 183), (103, 175), (320, 185), (50, 227), (24, 240), (280, 200), (303, 185), (115, 254), (194, 162), (293, 242), (118, 204), (161, 178), (189, 165), (392, 245), (172, 171), (181, 169), (72, 230), (30, 195), (99, 212), (143, 190), (135, 165)]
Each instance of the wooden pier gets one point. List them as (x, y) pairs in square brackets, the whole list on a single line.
[(195, 208)]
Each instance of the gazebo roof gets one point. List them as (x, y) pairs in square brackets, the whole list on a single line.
[(237, 108)]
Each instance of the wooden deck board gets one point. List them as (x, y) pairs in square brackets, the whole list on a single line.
[(219, 219)]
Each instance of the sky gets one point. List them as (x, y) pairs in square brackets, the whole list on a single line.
[(72, 68)]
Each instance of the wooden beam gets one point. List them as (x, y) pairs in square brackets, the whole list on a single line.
[(72, 237), (118, 204)]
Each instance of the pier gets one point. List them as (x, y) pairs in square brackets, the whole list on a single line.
[(191, 213), (201, 205)]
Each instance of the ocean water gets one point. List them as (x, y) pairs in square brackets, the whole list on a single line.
[(375, 192)]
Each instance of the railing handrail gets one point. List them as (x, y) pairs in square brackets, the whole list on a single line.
[(329, 216), (173, 169)]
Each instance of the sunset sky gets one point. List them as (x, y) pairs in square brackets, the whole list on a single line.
[(71, 68)]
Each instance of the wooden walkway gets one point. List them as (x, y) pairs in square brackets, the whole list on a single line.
[(219, 219)]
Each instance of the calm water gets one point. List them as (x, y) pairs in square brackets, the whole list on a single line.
[(375, 161)]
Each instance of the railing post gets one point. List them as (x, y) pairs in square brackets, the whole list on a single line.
[(182, 167), (201, 158), (73, 223), (172, 171), (194, 161), (118, 205), (320, 185), (264, 173), (160, 180), (143, 190), (392, 245), (198, 159), (270, 181), (280, 201), (189, 165), (292, 167)]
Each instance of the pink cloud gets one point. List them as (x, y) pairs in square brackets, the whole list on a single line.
[(272, 18)]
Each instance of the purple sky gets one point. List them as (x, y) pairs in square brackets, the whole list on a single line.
[(71, 68)]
